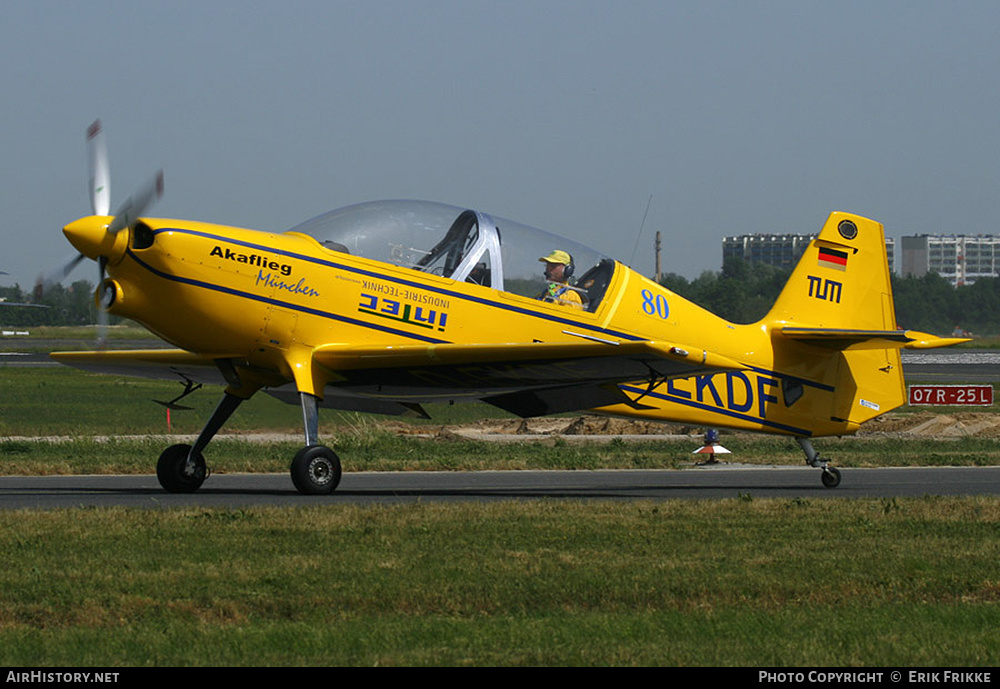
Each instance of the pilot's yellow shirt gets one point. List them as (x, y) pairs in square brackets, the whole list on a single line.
[(563, 295)]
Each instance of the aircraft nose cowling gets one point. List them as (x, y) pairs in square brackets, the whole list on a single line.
[(91, 238)]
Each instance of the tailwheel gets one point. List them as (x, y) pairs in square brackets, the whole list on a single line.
[(831, 477), (316, 470), (174, 473)]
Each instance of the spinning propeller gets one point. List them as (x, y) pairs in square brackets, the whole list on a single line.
[(97, 237)]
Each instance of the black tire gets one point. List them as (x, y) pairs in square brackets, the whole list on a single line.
[(831, 477), (316, 470), (170, 470)]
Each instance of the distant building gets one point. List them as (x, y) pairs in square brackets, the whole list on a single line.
[(780, 250), (961, 259)]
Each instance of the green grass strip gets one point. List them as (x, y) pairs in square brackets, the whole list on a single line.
[(731, 582)]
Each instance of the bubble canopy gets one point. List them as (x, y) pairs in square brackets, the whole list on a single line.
[(457, 243)]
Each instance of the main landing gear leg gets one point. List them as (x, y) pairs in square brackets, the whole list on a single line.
[(315, 469), (831, 475), (181, 468)]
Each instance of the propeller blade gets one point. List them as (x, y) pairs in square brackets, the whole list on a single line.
[(100, 177), (93, 237), (137, 204), (102, 327), (58, 274), (102, 309)]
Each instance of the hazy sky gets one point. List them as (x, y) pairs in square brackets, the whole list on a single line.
[(734, 117)]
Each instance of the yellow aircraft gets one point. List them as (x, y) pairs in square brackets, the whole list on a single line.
[(385, 306)]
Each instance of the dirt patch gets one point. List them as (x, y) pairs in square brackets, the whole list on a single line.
[(929, 424), (580, 425), (924, 424)]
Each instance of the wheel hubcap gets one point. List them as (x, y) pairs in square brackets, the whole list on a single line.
[(321, 471)]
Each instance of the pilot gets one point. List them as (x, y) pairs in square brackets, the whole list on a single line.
[(558, 270)]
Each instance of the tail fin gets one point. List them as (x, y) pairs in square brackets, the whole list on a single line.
[(836, 315), (842, 280), (840, 294)]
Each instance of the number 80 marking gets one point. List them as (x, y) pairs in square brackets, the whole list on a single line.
[(655, 306)]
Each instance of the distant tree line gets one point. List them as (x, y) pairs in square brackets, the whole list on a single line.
[(741, 292), (73, 305), (931, 304)]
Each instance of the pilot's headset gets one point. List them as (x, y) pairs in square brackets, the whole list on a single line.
[(568, 270)]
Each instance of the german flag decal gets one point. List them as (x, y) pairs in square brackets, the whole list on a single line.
[(831, 258)]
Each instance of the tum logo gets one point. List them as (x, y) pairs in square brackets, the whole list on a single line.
[(827, 290)]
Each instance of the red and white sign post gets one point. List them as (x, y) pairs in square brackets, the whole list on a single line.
[(951, 395)]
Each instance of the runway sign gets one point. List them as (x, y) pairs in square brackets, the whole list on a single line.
[(951, 395)]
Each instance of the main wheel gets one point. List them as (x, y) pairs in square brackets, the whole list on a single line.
[(831, 477), (316, 470), (172, 474)]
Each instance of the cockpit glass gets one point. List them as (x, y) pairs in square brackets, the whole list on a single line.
[(451, 242)]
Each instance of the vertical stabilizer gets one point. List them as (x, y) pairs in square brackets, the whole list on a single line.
[(842, 280), (842, 283)]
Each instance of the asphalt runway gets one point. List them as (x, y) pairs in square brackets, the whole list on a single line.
[(722, 481), (938, 365), (951, 365), (249, 490)]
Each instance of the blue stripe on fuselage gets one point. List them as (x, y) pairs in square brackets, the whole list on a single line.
[(366, 273), (721, 410)]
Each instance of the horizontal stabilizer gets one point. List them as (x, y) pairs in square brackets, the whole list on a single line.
[(844, 339)]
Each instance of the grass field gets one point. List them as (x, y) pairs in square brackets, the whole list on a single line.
[(732, 582), (747, 582), (65, 401), (69, 408), (376, 450)]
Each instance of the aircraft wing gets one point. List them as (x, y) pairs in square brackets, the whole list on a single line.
[(161, 364), (527, 379), (181, 365), (838, 338)]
